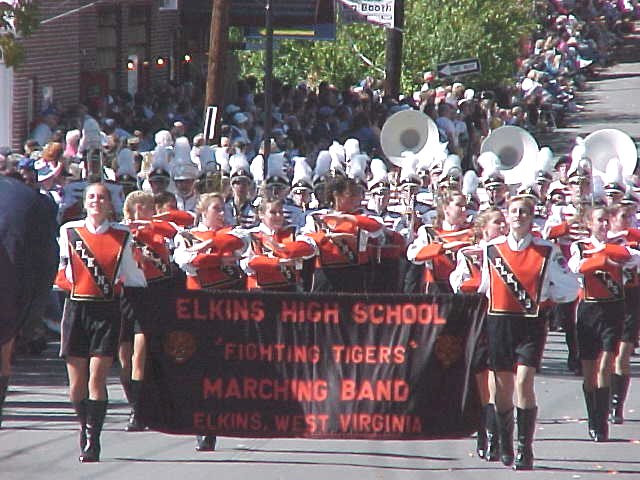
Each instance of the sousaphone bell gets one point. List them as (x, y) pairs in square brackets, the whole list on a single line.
[(408, 131)]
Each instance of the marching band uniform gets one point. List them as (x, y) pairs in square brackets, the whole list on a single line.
[(520, 277), (388, 257), (343, 237), (215, 267), (151, 243), (600, 314), (210, 258), (273, 260), (436, 248), (629, 333), (339, 262), (95, 265)]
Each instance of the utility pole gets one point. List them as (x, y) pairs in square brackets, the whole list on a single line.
[(218, 37), (268, 84), (393, 53)]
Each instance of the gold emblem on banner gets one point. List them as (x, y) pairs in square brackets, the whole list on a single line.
[(448, 349), (180, 346)]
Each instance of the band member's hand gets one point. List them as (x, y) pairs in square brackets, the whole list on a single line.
[(200, 246), (339, 236)]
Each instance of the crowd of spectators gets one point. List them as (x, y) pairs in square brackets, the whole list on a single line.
[(578, 37)]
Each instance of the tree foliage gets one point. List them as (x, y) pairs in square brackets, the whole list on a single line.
[(434, 32), (17, 19)]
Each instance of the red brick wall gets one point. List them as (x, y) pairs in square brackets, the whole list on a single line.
[(51, 59), (61, 49)]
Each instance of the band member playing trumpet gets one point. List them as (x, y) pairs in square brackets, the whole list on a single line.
[(621, 220), (435, 246), (521, 274), (342, 235), (601, 263), (210, 256), (274, 258), (151, 241)]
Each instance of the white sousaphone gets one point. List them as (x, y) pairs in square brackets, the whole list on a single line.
[(408, 131), (516, 148), (603, 145)]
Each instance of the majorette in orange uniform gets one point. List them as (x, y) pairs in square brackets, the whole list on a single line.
[(600, 316), (274, 258), (520, 274), (96, 262)]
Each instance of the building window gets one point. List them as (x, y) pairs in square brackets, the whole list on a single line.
[(108, 45), (139, 40)]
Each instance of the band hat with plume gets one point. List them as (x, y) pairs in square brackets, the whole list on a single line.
[(351, 148), (182, 150), (470, 183), (323, 166), (578, 153), (302, 174), (379, 174), (240, 167), (163, 138), (126, 164), (208, 163), (182, 168), (546, 162), (222, 159), (277, 169), (357, 168), (613, 178), (257, 169), (491, 175), (408, 174), (452, 167), (338, 153)]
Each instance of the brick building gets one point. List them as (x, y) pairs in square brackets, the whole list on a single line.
[(83, 49)]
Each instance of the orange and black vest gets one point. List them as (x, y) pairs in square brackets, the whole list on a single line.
[(269, 272), (95, 261), (344, 252), (473, 259), (516, 278), (152, 252), (444, 264), (605, 284), (214, 273)]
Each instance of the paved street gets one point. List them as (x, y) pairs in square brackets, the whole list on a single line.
[(39, 439)]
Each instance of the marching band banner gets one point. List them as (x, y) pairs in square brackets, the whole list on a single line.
[(266, 364)]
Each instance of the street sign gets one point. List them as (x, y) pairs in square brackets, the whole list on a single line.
[(459, 67), (379, 12)]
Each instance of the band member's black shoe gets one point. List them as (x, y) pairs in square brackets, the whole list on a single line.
[(619, 387), (96, 411), (492, 453), (505, 433), (205, 443), (526, 419)]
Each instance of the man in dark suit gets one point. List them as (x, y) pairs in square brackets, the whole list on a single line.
[(28, 262)]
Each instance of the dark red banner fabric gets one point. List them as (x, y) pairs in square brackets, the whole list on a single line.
[(268, 364)]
